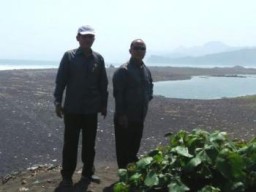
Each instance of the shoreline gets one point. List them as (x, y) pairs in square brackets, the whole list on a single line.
[(31, 133)]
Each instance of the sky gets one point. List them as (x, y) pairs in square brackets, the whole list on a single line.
[(45, 29)]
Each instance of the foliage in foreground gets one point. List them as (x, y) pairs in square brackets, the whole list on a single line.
[(198, 161)]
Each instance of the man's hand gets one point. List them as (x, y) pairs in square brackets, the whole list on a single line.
[(59, 110), (123, 121), (103, 112)]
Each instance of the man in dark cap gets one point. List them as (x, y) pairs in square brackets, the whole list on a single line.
[(82, 75)]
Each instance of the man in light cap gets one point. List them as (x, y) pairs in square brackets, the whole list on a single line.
[(82, 75)]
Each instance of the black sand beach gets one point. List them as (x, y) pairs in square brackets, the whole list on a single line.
[(31, 134)]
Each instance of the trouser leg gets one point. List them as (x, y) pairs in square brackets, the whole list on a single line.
[(135, 132), (89, 132), (70, 147), (121, 144), (128, 141)]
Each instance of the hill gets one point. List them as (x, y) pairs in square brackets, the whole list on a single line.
[(246, 56)]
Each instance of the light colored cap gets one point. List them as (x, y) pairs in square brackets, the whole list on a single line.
[(86, 30)]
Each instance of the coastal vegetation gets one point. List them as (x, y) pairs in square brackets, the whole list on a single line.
[(197, 161)]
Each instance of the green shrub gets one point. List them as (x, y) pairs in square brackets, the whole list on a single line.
[(198, 161)]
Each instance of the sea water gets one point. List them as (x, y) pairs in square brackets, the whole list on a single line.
[(207, 87), (197, 65), (27, 64)]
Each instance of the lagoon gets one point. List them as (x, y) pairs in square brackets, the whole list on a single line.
[(207, 87), (199, 87)]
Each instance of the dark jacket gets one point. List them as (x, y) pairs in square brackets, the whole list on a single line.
[(85, 81), (133, 89)]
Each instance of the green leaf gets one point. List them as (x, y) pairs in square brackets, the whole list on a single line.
[(203, 156), (135, 177), (177, 187), (211, 152), (230, 164), (208, 188), (131, 167), (183, 151), (122, 173), (239, 186), (237, 165), (176, 140), (121, 187), (143, 162), (218, 136), (151, 179), (154, 152), (223, 167), (194, 162)]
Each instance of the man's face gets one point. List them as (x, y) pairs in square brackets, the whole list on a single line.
[(138, 50), (85, 41)]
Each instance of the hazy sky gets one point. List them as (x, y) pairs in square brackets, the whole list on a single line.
[(44, 29)]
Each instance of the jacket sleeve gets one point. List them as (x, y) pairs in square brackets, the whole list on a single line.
[(119, 91), (103, 84), (151, 85), (61, 79)]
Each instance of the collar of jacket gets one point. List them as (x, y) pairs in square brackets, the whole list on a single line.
[(135, 63), (81, 52)]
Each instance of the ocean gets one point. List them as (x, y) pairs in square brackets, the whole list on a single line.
[(27, 64), (9, 64)]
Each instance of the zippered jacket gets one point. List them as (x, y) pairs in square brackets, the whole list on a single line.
[(85, 82), (132, 90)]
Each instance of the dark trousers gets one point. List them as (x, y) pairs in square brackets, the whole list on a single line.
[(127, 142), (73, 124)]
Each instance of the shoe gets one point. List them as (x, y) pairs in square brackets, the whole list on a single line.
[(95, 179), (66, 183), (84, 179), (92, 178), (82, 184)]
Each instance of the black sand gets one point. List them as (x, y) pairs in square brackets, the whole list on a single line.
[(30, 132)]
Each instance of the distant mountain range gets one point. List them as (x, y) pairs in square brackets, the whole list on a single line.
[(213, 53)]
